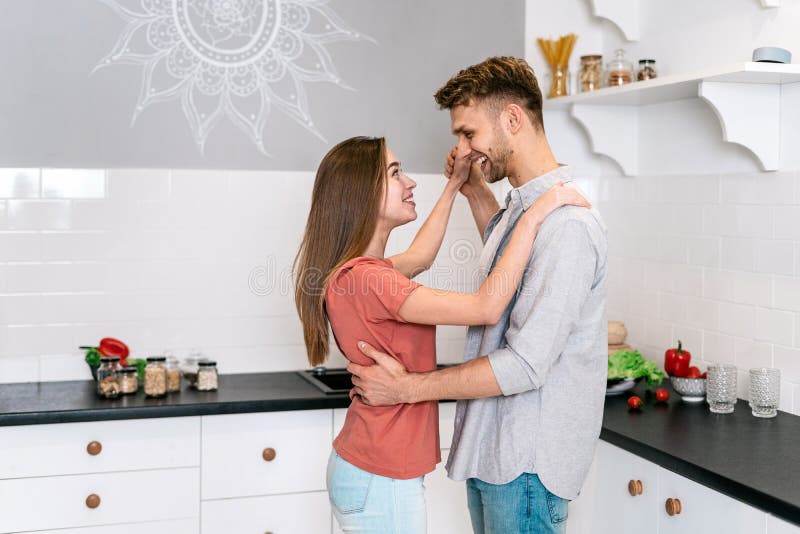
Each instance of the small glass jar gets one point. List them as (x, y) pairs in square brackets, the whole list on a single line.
[(647, 70), (173, 375), (108, 377), (590, 78), (189, 368), (155, 377), (559, 78), (207, 377), (128, 380), (619, 71)]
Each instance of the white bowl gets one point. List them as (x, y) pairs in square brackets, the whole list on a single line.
[(690, 389)]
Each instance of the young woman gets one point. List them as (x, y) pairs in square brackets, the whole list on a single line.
[(361, 193)]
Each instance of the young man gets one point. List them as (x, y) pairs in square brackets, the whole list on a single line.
[(535, 381)]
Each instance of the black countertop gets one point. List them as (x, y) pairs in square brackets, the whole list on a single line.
[(753, 460)]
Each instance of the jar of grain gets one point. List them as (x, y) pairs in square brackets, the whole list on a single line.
[(155, 377), (207, 377), (108, 377), (647, 70), (128, 380), (173, 375), (619, 71), (590, 78)]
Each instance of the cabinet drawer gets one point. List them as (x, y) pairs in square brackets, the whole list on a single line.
[(176, 526), (300, 513), (704, 510), (135, 496), (237, 451), (63, 449)]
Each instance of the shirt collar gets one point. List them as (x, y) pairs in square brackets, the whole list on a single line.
[(527, 193)]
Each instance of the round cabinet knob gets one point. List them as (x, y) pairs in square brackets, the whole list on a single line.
[(673, 506), (268, 454), (94, 448), (93, 501), (635, 487)]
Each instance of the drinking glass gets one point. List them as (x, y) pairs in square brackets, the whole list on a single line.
[(721, 387), (765, 391)]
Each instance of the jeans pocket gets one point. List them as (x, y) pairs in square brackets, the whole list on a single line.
[(558, 508), (348, 487)]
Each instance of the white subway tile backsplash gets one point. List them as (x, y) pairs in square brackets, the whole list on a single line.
[(21, 309), (73, 183), (788, 361), (672, 308), (759, 188), (704, 251), (737, 319), (696, 189), (787, 293), (718, 348), (19, 369), (774, 326), (752, 288), (787, 222), (738, 254), (55, 367), (787, 396), (34, 340), (748, 354), (38, 214), (703, 313), (21, 246), (68, 246), (19, 183), (131, 185), (775, 257), (3, 218), (672, 249)]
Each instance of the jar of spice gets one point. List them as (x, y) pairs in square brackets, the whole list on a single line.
[(647, 70), (108, 378), (173, 375), (155, 377), (590, 77), (619, 70), (128, 380), (207, 377)]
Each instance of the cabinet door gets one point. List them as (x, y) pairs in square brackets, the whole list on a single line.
[(265, 453), (133, 496), (607, 505), (703, 509), (298, 513), (177, 526), (446, 501)]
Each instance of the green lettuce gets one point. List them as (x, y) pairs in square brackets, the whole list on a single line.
[(631, 364)]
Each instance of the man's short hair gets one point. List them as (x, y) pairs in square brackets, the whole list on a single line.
[(497, 80)]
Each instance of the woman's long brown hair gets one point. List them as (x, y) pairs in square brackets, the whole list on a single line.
[(344, 212)]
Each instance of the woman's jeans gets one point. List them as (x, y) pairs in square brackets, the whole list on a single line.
[(522, 506), (366, 503)]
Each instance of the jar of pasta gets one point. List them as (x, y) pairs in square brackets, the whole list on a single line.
[(207, 377), (155, 377), (590, 78)]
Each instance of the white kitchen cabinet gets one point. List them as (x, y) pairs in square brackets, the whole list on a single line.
[(265, 453), (297, 513), (175, 526), (703, 509), (605, 505), (99, 447), (63, 501)]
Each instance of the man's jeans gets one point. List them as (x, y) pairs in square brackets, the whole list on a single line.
[(523, 506)]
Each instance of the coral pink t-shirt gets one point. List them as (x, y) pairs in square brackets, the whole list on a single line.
[(362, 300)]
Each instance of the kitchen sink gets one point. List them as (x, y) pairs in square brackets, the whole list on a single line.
[(334, 381)]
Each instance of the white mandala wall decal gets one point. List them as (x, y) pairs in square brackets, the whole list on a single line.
[(230, 58)]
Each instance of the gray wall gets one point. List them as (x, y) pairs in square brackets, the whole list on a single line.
[(55, 112)]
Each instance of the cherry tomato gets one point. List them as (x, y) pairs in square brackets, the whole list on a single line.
[(662, 395), (634, 402), (694, 372)]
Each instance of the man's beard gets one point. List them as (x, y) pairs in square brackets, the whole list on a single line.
[(498, 163)]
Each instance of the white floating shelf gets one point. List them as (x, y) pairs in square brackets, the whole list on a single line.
[(745, 97)]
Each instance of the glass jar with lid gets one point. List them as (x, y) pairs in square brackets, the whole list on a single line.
[(173, 375), (108, 377), (128, 380), (647, 70), (590, 78), (619, 71), (155, 377), (207, 377)]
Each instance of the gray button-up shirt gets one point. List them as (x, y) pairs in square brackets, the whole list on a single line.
[(548, 353)]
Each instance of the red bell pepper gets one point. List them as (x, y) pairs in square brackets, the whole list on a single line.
[(113, 347), (676, 361)]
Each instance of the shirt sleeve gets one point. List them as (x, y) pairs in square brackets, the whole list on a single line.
[(380, 290), (553, 292)]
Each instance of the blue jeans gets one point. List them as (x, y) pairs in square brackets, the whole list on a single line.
[(366, 503), (522, 506)]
